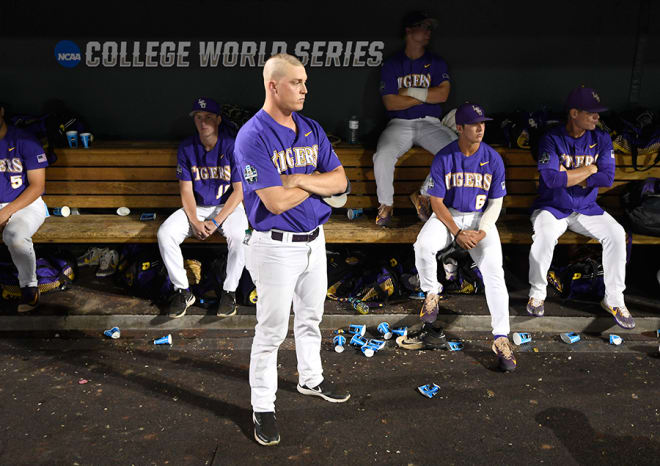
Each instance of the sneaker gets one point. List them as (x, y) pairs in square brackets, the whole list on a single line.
[(430, 308), (179, 303), (384, 217), (91, 257), (621, 315), (325, 390), (422, 205), (29, 299), (108, 263), (228, 305), (265, 429), (504, 351), (433, 337), (535, 307)]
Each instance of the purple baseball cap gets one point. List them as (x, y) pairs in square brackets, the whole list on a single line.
[(585, 98), (469, 113), (415, 18), (204, 104)]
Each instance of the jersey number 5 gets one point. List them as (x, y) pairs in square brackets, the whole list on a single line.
[(16, 181), (221, 190), (480, 201)]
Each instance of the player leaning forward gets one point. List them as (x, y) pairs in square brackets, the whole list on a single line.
[(22, 211), (211, 195), (287, 164), (466, 196), (574, 161)]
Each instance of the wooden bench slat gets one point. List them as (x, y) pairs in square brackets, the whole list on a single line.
[(117, 159), (112, 187), (110, 173), (147, 202)]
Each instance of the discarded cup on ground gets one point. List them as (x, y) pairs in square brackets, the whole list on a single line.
[(429, 390), (63, 211), (357, 329), (357, 340), (367, 350), (657, 333), (166, 340), (570, 337), (615, 340), (86, 139), (455, 345), (354, 213), (72, 138), (123, 211), (384, 329), (401, 331), (519, 338), (377, 345), (113, 333), (339, 341)]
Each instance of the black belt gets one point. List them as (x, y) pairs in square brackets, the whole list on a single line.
[(296, 238)]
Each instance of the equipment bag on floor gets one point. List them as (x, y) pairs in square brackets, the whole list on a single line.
[(55, 271)]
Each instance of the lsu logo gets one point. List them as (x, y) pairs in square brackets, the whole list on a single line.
[(595, 96), (67, 53), (201, 103), (478, 110)]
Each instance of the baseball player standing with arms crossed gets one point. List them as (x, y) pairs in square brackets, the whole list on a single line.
[(574, 161), (211, 195), (22, 211), (467, 188), (287, 164), (414, 84)]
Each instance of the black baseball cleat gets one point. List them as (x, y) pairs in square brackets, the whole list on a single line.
[(265, 429), (325, 390), (180, 301), (29, 299), (228, 305)]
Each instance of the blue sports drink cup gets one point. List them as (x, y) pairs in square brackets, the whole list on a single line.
[(166, 340), (113, 333), (86, 139), (570, 337), (384, 329), (72, 138), (377, 345), (615, 340), (357, 329), (455, 345), (401, 331), (519, 338), (63, 211), (429, 390), (354, 213), (368, 350), (357, 340), (339, 341)]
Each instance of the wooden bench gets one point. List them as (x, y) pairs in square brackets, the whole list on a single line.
[(141, 176)]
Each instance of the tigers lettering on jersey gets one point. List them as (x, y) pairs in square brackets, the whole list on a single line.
[(295, 157), (222, 172), (415, 80), (468, 180), (577, 161), (14, 165)]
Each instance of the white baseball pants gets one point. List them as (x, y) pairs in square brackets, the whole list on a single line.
[(397, 138), (177, 228), (286, 273), (548, 229), (435, 236), (17, 236)]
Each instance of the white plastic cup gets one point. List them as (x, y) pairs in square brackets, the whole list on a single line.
[(339, 341), (615, 340), (123, 211), (357, 329), (72, 138), (352, 214), (570, 337), (384, 329), (63, 211), (519, 338), (166, 340), (367, 350), (86, 139)]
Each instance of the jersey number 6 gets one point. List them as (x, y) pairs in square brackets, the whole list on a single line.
[(480, 201)]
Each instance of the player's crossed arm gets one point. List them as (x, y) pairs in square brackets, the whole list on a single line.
[(432, 95), (322, 184)]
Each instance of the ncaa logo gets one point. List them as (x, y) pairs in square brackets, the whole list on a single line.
[(67, 53)]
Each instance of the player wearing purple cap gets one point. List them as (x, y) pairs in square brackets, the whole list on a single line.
[(211, 194), (574, 161), (414, 84), (22, 211), (467, 188), (287, 165)]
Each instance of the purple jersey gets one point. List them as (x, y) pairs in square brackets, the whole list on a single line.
[(466, 183), (19, 152), (401, 72), (211, 172), (557, 147), (264, 150)]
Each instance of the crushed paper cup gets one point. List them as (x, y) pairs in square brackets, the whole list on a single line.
[(123, 211), (615, 340)]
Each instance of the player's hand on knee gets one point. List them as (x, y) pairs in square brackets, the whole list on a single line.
[(198, 230), (464, 240), (209, 227), (478, 236)]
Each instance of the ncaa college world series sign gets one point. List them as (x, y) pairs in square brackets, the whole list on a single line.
[(215, 54)]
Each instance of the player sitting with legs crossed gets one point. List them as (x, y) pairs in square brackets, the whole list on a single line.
[(287, 166), (466, 196), (574, 161), (414, 84), (22, 211), (212, 196)]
